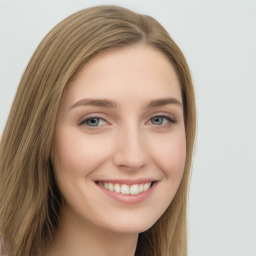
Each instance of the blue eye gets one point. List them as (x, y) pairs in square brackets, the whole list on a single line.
[(94, 121), (161, 120)]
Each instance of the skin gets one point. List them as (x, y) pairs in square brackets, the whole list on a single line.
[(131, 140)]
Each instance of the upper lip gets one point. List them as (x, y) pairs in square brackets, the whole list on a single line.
[(127, 181)]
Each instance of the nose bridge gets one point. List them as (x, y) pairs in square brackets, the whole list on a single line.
[(131, 151)]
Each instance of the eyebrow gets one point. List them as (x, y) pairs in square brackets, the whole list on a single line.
[(163, 102), (95, 102), (112, 104)]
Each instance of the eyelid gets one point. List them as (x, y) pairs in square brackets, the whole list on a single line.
[(82, 120), (171, 117)]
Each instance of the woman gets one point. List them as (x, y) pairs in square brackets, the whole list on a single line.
[(96, 152)]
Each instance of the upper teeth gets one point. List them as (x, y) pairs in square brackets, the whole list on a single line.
[(125, 189)]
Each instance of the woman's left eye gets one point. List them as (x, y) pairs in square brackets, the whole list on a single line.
[(94, 122), (161, 120)]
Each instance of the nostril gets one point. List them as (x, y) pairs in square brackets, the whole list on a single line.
[(130, 153)]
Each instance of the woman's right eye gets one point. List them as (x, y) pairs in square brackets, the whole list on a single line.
[(94, 122)]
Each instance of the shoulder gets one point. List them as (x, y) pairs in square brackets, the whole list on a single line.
[(2, 248)]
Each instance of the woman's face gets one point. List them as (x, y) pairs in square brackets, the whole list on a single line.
[(120, 144)]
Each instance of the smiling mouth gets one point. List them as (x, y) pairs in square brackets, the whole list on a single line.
[(125, 189)]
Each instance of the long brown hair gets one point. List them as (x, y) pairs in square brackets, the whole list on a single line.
[(29, 198)]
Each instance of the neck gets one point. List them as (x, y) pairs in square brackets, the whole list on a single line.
[(82, 238)]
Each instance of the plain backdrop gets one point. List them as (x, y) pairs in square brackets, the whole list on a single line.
[(218, 39)]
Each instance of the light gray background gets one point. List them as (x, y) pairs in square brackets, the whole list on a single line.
[(218, 39)]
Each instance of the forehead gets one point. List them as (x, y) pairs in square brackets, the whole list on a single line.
[(121, 72)]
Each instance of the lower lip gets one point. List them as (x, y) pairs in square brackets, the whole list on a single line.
[(130, 199)]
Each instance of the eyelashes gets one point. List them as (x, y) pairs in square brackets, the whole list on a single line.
[(161, 120), (94, 121)]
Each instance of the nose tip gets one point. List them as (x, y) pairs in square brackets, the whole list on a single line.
[(131, 152), (129, 162)]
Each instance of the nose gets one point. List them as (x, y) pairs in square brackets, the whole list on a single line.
[(131, 152)]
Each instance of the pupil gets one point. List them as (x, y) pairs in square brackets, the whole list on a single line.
[(157, 120), (93, 121)]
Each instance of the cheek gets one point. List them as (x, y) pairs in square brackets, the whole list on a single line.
[(170, 155), (77, 153)]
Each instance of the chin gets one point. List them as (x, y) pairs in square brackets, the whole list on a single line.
[(130, 225)]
